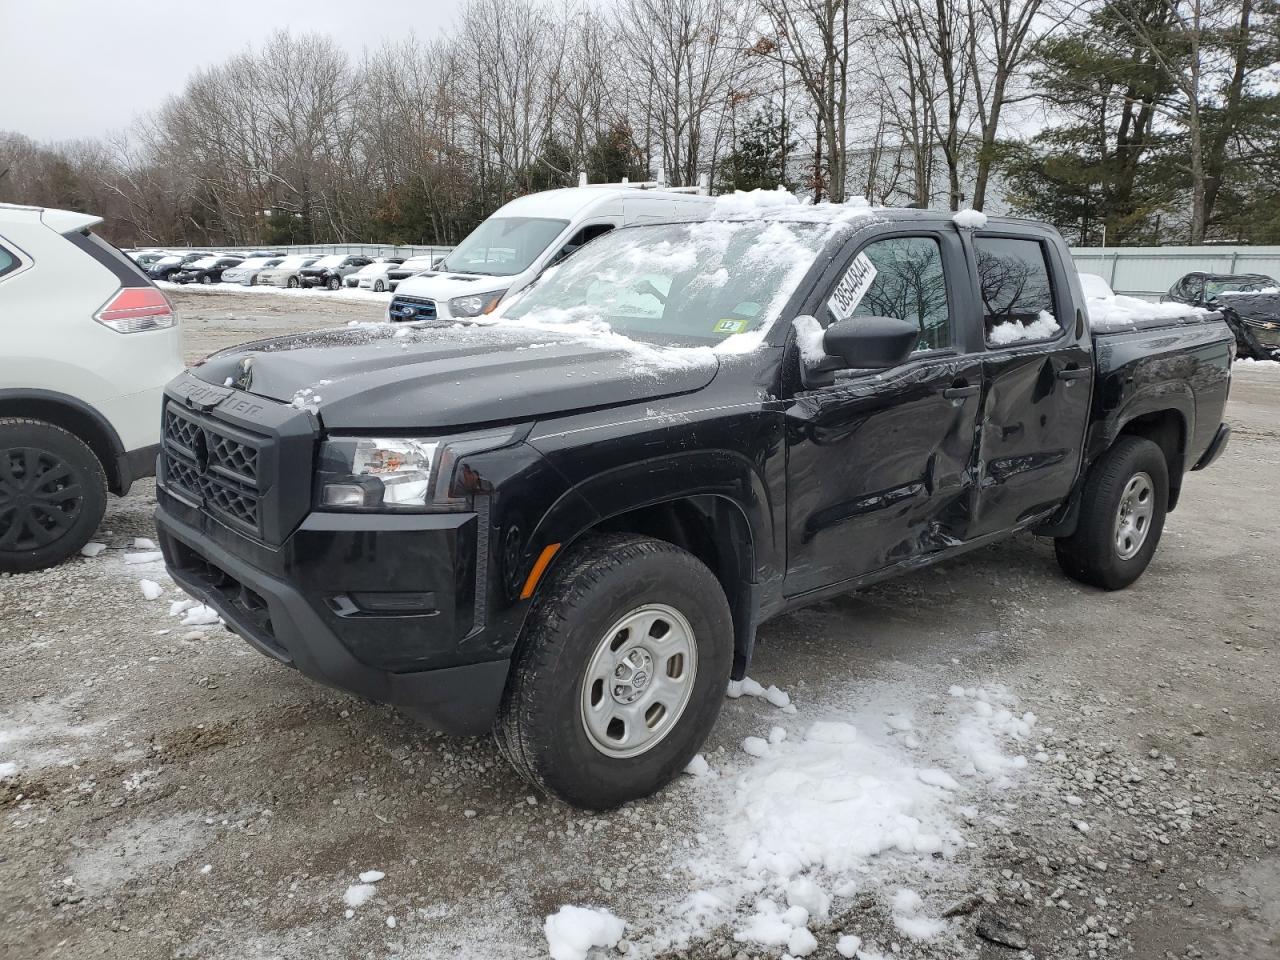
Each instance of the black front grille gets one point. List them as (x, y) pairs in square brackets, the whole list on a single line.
[(408, 309), (206, 463)]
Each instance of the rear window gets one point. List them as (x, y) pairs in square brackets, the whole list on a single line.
[(8, 262), (126, 271)]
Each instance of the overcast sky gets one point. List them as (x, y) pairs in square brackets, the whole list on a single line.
[(81, 68)]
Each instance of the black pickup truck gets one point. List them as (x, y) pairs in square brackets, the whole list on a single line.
[(566, 523)]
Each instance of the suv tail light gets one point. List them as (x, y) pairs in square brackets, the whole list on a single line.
[(135, 309)]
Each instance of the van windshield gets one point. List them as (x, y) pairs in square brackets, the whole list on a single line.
[(503, 246), (679, 283)]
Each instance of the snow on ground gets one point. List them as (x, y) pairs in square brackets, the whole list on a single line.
[(1248, 363), (573, 931), (344, 293), (1012, 331), (842, 801)]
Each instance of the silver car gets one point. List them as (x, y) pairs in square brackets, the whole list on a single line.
[(286, 273), (244, 273)]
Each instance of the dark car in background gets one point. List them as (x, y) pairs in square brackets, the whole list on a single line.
[(167, 266), (1249, 302), (330, 271), (206, 269)]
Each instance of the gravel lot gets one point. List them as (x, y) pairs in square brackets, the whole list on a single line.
[(175, 794)]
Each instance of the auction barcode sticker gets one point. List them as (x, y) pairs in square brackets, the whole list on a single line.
[(852, 287)]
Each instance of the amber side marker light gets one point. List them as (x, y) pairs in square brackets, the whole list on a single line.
[(539, 568)]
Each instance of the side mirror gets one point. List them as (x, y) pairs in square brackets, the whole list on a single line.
[(871, 343)]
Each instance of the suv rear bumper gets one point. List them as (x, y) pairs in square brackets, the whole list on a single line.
[(280, 613)]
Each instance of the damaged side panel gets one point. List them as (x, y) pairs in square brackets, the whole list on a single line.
[(880, 471)]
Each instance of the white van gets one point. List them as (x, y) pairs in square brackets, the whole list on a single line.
[(509, 250)]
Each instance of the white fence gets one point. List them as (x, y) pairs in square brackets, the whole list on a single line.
[(1149, 272)]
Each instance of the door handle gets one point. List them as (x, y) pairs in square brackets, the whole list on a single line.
[(963, 390), (1072, 373)]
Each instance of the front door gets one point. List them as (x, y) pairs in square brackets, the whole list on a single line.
[(1038, 373), (880, 464)]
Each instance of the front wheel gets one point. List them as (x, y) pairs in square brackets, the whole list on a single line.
[(620, 673), (293, 283), (334, 283), (53, 493), (1121, 516), (378, 286)]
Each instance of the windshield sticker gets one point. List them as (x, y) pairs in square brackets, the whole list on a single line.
[(730, 326), (852, 287)]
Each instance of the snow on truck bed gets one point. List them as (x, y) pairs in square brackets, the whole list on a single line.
[(1117, 313)]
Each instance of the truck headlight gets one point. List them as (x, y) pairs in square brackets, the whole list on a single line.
[(475, 304), (391, 474)]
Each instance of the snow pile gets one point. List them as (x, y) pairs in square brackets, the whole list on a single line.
[(745, 203), (746, 687), (1094, 286), (358, 894), (1119, 310), (970, 219), (806, 822), (573, 931), (150, 590), (1250, 364), (1012, 331), (194, 613), (92, 549)]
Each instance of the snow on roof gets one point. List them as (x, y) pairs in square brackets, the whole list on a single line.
[(780, 204), (569, 202), (974, 219)]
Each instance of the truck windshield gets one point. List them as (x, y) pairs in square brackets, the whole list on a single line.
[(503, 246), (685, 283)]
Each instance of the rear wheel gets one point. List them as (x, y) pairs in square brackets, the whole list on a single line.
[(293, 283), (378, 286), (620, 673), (53, 493), (334, 283), (1121, 516), (205, 278)]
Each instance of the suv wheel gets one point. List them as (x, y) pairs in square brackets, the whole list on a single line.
[(620, 673), (205, 278), (53, 494), (1121, 516), (334, 283), (293, 283)]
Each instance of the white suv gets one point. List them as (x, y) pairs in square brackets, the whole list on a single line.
[(89, 343)]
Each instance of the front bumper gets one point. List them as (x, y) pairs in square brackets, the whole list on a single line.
[(381, 606)]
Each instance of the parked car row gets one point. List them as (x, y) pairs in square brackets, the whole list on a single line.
[(295, 271)]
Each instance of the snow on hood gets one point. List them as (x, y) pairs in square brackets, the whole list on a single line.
[(446, 286)]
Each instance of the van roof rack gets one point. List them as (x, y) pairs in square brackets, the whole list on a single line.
[(703, 189)]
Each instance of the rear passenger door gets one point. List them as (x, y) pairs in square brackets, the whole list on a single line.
[(880, 463), (1037, 373)]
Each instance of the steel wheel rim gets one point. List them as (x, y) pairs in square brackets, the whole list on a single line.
[(1133, 517), (40, 499), (639, 681)]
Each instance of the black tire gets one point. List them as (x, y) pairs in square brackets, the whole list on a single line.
[(293, 283), (206, 279), (334, 283), (1092, 554), (46, 519), (378, 286), (540, 727)]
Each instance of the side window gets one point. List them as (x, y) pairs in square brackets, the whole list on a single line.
[(8, 262), (585, 235), (909, 284), (1017, 295)]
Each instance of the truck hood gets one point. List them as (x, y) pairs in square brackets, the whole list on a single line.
[(446, 376), (435, 285)]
